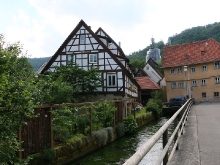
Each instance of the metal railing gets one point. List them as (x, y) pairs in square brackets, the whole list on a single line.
[(169, 145)]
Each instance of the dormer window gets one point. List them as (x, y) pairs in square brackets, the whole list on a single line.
[(203, 52), (186, 57)]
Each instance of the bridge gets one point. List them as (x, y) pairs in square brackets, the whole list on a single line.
[(195, 140)]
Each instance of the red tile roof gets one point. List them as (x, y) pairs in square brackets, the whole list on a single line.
[(146, 83), (191, 53)]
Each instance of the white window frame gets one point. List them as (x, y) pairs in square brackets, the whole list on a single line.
[(180, 85), (193, 69), (111, 80), (204, 68), (179, 70), (173, 85), (203, 82), (172, 71), (93, 58), (217, 80), (194, 83), (82, 39), (217, 65)]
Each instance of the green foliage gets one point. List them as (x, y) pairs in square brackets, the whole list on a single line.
[(101, 137), (120, 129), (102, 115), (136, 64), (130, 124), (110, 133), (49, 154), (16, 99), (197, 34), (37, 62), (64, 123), (69, 83), (155, 104)]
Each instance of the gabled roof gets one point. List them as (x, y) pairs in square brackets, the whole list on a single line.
[(111, 40), (142, 73), (105, 48), (146, 82), (191, 53)]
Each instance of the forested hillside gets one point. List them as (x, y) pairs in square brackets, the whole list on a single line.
[(197, 34), (193, 34), (37, 62)]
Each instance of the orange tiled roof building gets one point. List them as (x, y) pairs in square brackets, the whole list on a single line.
[(193, 70)]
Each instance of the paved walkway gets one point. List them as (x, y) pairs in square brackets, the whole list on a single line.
[(200, 142)]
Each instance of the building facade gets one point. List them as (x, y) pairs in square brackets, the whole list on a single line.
[(88, 49), (193, 70)]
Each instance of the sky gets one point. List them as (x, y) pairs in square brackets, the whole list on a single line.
[(41, 26)]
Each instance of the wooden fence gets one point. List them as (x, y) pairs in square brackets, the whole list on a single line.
[(37, 134)]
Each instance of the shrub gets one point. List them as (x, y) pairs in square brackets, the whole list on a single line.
[(101, 137), (110, 133), (49, 154), (154, 106), (120, 129), (130, 125)]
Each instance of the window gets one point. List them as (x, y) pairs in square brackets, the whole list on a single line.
[(71, 58), (204, 68), (203, 52), (172, 71), (203, 94), (217, 80), (173, 85), (180, 85), (217, 65), (179, 70), (93, 58), (203, 82), (147, 68), (194, 83), (193, 69), (111, 80), (216, 94), (82, 39)]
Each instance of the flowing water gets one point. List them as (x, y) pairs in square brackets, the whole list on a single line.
[(119, 151)]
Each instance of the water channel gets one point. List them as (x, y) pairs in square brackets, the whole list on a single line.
[(119, 151)]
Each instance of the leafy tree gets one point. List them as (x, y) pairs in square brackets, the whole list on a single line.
[(16, 101), (136, 64)]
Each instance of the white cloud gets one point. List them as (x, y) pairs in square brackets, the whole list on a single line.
[(131, 22)]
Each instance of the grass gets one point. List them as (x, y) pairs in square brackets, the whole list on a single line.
[(142, 112), (75, 138)]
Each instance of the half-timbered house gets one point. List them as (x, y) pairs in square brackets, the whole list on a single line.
[(99, 50)]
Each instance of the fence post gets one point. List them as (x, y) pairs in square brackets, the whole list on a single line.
[(165, 140), (51, 127), (90, 112), (176, 136)]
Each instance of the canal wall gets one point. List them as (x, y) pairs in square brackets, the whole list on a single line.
[(68, 152)]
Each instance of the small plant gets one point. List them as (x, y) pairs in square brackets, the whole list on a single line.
[(130, 125), (154, 106), (120, 129), (110, 133), (49, 154), (101, 137)]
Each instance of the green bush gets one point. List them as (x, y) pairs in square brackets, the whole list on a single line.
[(120, 129), (49, 154), (101, 137), (110, 133), (130, 125), (154, 106)]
